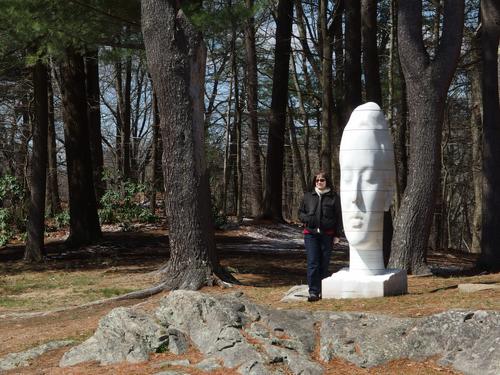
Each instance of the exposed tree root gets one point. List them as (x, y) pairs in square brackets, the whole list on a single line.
[(222, 279), (139, 294)]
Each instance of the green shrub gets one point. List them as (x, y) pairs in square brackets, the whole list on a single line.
[(5, 228), (61, 219), (12, 214), (121, 206)]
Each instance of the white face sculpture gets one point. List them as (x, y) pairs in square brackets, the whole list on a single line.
[(366, 184)]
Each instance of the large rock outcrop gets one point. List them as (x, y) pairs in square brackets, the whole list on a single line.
[(236, 333)]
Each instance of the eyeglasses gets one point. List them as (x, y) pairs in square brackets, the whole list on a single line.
[(320, 180)]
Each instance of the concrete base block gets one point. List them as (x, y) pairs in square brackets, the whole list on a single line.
[(344, 284)]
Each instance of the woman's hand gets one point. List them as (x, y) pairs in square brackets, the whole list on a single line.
[(336, 240)]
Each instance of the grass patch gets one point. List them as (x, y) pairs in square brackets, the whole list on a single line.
[(112, 292), (9, 302), (83, 280), (54, 289), (16, 285)]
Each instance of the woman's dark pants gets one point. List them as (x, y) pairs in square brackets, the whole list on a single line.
[(319, 250)]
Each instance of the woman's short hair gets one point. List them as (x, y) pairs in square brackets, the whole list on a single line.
[(326, 176)]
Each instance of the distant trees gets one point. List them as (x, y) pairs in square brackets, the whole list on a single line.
[(281, 80)]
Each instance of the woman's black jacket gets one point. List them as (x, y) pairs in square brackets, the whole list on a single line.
[(326, 217)]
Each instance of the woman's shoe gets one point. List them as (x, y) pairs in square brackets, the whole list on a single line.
[(313, 298)]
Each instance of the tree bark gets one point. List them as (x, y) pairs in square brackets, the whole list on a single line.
[(289, 175), (120, 103), (305, 119), (476, 127), (327, 94), (277, 121), (370, 51), (227, 149), (252, 102), (490, 33), (21, 156), (397, 123), (84, 221), (126, 120), (352, 65), (36, 217), (53, 200), (155, 155), (297, 158), (94, 114), (176, 58), (338, 84), (427, 85), (237, 132)]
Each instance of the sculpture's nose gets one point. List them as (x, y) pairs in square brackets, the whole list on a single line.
[(355, 192), (355, 197)]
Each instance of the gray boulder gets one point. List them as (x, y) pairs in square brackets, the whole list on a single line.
[(467, 341), (233, 332), (122, 335), (22, 359), (208, 364), (213, 323), (357, 338)]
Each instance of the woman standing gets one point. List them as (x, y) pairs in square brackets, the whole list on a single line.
[(321, 215)]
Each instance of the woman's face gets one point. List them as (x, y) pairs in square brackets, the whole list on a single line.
[(320, 182)]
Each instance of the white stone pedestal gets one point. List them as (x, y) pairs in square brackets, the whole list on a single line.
[(344, 284)]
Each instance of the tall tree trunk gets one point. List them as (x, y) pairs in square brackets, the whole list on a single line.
[(289, 175), (138, 173), (327, 97), (338, 83), (94, 114), (156, 155), (397, 123), (297, 162), (120, 103), (476, 127), (370, 51), (176, 58), (237, 133), (53, 200), (427, 84), (252, 103), (336, 37), (305, 119), (490, 33), (21, 163), (303, 24), (277, 121), (36, 217), (227, 150), (84, 221), (352, 65), (126, 120)]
